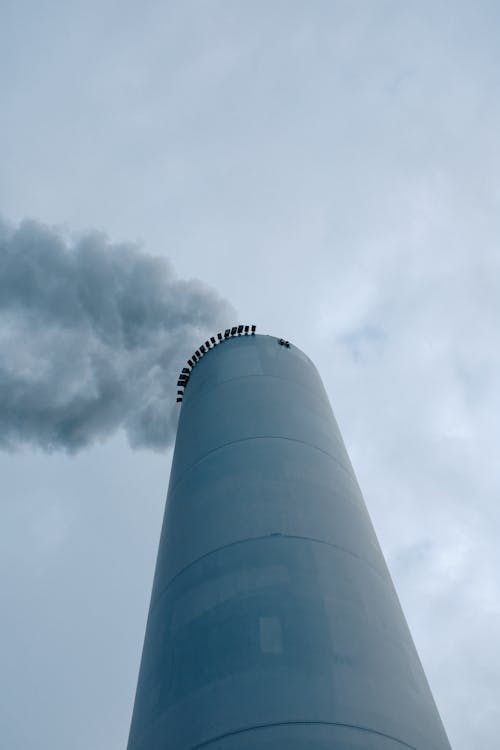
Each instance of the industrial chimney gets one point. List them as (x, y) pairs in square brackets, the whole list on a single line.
[(273, 623)]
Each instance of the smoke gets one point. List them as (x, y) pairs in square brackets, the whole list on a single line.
[(92, 337)]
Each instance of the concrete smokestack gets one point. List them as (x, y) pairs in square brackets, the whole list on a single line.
[(273, 621)]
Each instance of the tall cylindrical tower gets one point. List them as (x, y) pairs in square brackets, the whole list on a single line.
[(273, 620)]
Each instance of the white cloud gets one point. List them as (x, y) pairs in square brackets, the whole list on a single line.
[(332, 168)]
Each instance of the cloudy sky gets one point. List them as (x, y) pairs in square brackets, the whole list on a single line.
[(328, 170)]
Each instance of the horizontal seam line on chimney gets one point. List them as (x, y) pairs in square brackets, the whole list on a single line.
[(205, 743), (261, 537), (263, 437)]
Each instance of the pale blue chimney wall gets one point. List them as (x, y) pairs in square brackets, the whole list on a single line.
[(273, 620)]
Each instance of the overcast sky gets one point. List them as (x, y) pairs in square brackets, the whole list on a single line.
[(332, 171)]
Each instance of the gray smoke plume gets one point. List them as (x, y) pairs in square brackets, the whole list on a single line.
[(92, 337)]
